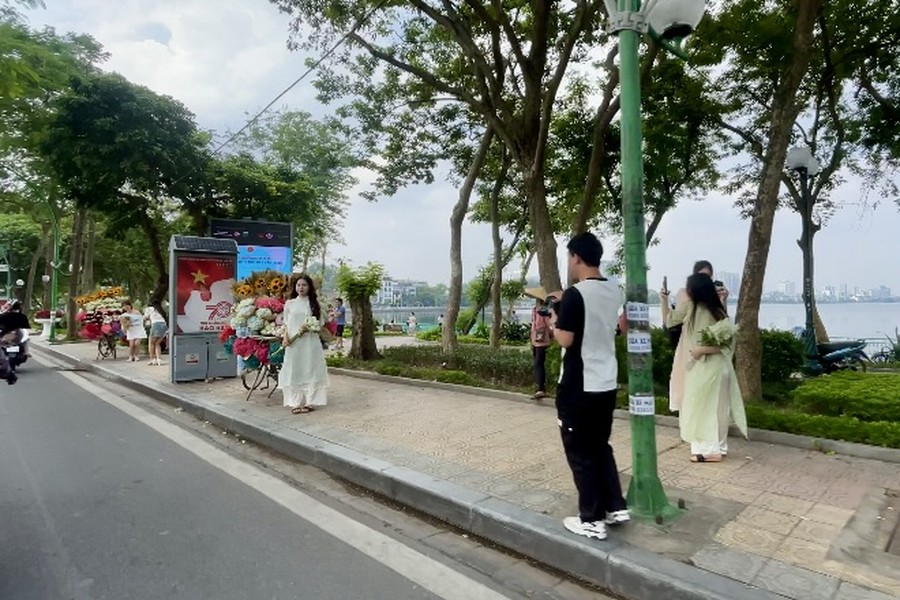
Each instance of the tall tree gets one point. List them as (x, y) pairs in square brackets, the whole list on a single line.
[(358, 286), (322, 153), (749, 38), (505, 61), (123, 150)]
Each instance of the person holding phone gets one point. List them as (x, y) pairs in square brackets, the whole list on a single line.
[(584, 322), (673, 317)]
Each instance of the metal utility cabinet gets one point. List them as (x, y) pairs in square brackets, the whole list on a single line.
[(201, 275)]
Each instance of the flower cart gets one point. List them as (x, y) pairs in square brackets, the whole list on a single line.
[(99, 319), (255, 329)]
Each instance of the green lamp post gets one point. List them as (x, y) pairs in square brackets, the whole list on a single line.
[(801, 162), (54, 275), (668, 20)]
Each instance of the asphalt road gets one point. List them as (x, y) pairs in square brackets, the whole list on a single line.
[(100, 499)]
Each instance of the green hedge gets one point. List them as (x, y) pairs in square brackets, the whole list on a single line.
[(509, 367), (848, 429), (864, 396)]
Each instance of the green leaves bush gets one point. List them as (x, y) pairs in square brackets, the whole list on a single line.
[(782, 354), (505, 366), (848, 429), (864, 396)]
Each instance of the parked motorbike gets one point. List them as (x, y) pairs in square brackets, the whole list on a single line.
[(839, 356)]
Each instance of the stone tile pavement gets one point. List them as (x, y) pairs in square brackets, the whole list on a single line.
[(802, 524)]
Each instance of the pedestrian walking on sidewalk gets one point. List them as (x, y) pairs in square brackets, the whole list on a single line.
[(340, 319), (303, 377), (584, 322), (133, 323), (541, 338)]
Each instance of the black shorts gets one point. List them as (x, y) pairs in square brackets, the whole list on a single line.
[(340, 331)]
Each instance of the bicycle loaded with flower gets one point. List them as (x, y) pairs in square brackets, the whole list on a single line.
[(99, 319), (255, 330)]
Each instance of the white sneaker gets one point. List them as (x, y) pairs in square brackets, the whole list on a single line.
[(617, 517), (597, 529)]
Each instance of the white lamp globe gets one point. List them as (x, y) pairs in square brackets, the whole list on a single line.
[(676, 19), (45, 278), (801, 158)]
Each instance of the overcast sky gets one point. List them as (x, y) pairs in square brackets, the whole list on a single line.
[(227, 58)]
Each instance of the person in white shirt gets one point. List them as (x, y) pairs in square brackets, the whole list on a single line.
[(584, 321), (158, 328)]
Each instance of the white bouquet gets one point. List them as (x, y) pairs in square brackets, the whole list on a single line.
[(238, 322), (719, 335), (312, 324), (265, 314)]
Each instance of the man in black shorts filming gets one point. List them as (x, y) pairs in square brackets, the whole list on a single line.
[(585, 320)]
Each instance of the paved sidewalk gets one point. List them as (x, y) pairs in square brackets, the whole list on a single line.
[(800, 524)]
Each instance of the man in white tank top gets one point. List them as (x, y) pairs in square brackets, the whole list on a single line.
[(585, 326)]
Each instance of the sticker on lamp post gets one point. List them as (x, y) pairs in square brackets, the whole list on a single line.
[(638, 312), (642, 405), (639, 342)]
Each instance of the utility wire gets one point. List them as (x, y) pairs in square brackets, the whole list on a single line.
[(359, 23)]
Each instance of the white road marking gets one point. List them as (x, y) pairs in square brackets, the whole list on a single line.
[(432, 575)]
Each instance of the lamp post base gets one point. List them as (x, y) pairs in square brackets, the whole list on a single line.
[(647, 500)]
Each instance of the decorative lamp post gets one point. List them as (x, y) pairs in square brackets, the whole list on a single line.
[(801, 163), (669, 21)]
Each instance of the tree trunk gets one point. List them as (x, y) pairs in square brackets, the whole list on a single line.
[(363, 344), (33, 267), (784, 112), (75, 260), (497, 307), (159, 260), (449, 341), (87, 280), (544, 240)]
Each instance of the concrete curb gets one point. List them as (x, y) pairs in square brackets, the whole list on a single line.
[(891, 455), (624, 570)]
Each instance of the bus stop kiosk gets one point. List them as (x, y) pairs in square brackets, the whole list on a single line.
[(201, 275)]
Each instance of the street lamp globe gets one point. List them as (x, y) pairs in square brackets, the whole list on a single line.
[(45, 278), (800, 158), (675, 19), (20, 282)]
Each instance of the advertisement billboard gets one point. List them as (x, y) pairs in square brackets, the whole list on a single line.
[(262, 245), (203, 296)]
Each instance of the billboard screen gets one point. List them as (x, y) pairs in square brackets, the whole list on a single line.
[(262, 245)]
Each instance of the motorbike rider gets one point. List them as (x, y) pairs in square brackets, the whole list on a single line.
[(13, 324)]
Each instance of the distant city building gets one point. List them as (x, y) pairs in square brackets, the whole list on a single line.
[(402, 292), (732, 282), (881, 293), (788, 288)]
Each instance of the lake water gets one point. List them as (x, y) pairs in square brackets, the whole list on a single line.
[(850, 320)]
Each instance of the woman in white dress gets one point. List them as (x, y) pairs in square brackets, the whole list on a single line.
[(303, 378), (133, 323)]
